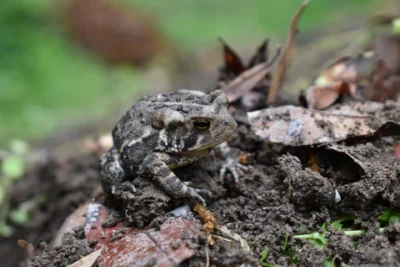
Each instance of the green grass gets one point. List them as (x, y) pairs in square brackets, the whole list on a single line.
[(46, 83)]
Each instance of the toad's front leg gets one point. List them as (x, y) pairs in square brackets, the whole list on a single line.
[(158, 167), (112, 174)]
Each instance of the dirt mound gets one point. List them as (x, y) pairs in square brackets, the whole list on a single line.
[(280, 198)]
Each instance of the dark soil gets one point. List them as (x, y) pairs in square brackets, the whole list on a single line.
[(66, 183), (279, 198)]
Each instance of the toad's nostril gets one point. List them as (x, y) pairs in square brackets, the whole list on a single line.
[(232, 124)]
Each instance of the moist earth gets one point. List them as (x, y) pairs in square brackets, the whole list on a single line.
[(288, 191)]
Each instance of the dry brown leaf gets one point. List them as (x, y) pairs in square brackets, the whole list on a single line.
[(88, 260), (373, 75), (287, 56), (27, 246), (261, 55), (387, 48), (295, 126), (338, 79), (322, 96), (246, 81), (246, 92), (233, 63), (127, 246)]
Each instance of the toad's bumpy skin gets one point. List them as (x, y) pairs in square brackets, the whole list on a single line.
[(162, 132)]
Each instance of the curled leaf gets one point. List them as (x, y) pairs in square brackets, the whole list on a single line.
[(295, 126), (287, 56)]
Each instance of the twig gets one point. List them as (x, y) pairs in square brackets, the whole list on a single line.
[(287, 56), (236, 237), (207, 256), (222, 238)]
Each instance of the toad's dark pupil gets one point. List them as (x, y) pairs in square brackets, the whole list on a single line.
[(201, 125)]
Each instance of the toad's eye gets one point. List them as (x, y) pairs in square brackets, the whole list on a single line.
[(201, 125)]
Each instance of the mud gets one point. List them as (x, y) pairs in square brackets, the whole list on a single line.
[(66, 183), (62, 255)]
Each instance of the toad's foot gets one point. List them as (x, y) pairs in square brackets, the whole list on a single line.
[(155, 166), (234, 168)]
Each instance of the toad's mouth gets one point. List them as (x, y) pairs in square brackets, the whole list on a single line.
[(196, 153), (218, 139)]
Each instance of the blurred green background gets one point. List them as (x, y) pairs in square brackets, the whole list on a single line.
[(47, 83)]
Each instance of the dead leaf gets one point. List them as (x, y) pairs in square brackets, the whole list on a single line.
[(127, 246), (387, 48), (245, 82), (261, 56), (373, 76), (88, 260), (344, 69), (233, 63), (27, 246), (287, 56), (246, 87), (322, 96), (385, 82), (396, 150), (242, 84), (296, 126), (340, 78)]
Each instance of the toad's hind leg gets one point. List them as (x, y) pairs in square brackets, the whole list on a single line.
[(156, 166), (111, 172)]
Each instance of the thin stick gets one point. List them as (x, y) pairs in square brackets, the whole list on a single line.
[(222, 238), (207, 256)]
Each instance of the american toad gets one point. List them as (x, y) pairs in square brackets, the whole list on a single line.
[(163, 132)]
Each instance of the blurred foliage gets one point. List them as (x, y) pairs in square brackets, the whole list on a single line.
[(12, 167), (47, 83), (396, 26), (194, 23), (21, 215)]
